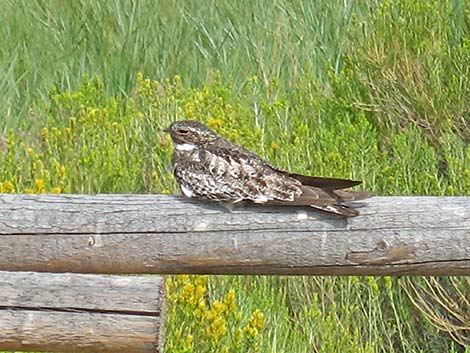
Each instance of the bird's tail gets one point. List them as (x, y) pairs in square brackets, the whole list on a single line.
[(344, 196)]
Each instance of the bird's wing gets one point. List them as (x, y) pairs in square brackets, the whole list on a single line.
[(231, 175), (246, 176), (325, 183), (317, 182), (321, 182), (250, 178)]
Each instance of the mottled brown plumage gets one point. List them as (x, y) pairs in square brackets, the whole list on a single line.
[(209, 167)]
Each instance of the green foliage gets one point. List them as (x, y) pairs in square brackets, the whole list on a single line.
[(401, 53), (200, 323), (409, 66), (376, 91), (88, 141)]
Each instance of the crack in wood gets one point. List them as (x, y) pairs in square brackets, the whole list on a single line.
[(80, 310)]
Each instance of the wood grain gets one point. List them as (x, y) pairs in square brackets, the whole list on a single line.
[(170, 234), (28, 330), (67, 312), (140, 295)]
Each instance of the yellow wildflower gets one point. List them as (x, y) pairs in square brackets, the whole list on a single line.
[(257, 319), (30, 151), (40, 185), (189, 340), (217, 328), (7, 187), (62, 171), (44, 133), (230, 301), (187, 292), (218, 307), (372, 282), (215, 123)]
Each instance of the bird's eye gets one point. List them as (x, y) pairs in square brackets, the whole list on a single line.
[(183, 131)]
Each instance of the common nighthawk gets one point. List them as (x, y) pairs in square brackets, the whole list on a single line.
[(209, 167)]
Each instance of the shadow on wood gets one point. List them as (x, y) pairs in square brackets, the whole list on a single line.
[(169, 234)]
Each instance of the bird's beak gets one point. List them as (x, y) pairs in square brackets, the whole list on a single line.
[(167, 130)]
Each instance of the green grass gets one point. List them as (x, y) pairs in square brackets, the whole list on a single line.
[(378, 91), (407, 51)]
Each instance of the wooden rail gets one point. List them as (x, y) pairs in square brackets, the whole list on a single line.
[(169, 234), (57, 312)]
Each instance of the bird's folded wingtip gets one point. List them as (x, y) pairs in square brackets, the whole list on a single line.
[(325, 183)]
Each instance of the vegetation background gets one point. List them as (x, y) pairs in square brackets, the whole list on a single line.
[(373, 90)]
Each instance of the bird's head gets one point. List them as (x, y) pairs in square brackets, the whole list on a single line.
[(190, 134)]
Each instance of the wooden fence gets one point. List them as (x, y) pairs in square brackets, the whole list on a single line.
[(156, 234), (68, 312)]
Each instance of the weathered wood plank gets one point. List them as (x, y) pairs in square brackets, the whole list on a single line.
[(70, 291), (168, 234), (27, 330), (32, 214), (68, 312)]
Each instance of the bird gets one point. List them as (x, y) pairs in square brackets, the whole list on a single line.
[(211, 168)]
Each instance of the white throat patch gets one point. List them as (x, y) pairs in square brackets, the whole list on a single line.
[(185, 147)]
